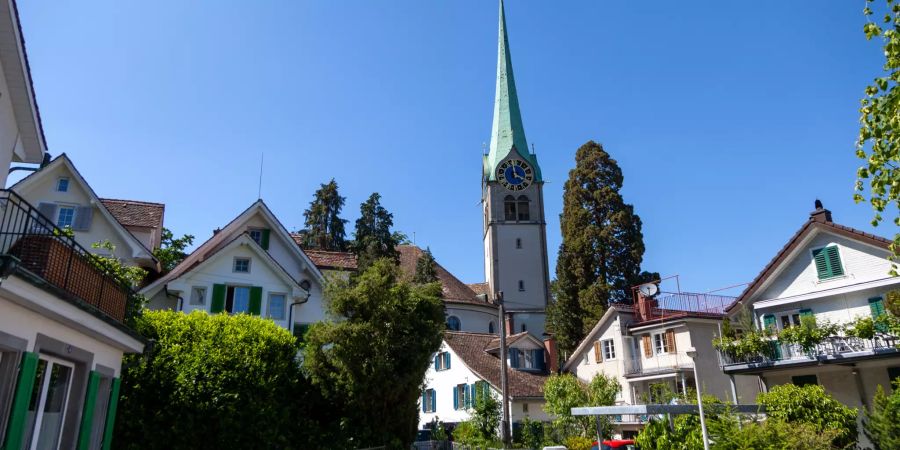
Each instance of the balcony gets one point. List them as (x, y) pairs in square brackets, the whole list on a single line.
[(659, 364), (673, 305), (834, 349), (38, 248)]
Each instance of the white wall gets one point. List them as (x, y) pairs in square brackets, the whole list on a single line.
[(473, 318), (9, 129), (588, 366), (443, 382)]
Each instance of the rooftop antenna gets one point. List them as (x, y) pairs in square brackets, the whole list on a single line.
[(259, 191), (532, 148), (484, 148), (414, 238)]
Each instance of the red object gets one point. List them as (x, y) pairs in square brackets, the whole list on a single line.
[(614, 444)]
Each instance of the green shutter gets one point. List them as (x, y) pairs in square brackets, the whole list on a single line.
[(805, 312), (769, 322), (876, 306), (218, 299), (264, 240), (18, 414), (111, 414), (828, 262), (87, 414), (255, 300)]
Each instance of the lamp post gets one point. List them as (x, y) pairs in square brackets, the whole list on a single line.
[(692, 353)]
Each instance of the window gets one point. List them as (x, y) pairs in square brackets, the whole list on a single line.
[(518, 242), (442, 361), (256, 235), (529, 360), (893, 373), (523, 208), (660, 343), (524, 328), (828, 262), (609, 349), (261, 236), (491, 327), (525, 407), (237, 299), (429, 403), (49, 401), (521, 285), (277, 302), (300, 330), (453, 323), (242, 265), (789, 320), (65, 217), (804, 380), (62, 185), (460, 400), (509, 208), (198, 295)]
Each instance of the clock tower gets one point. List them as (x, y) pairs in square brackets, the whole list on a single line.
[(515, 237)]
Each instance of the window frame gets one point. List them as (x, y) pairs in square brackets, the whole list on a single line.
[(837, 248), (458, 323), (234, 264), (664, 348), (230, 291), (461, 390), (430, 399), (521, 285), (283, 306), (60, 181), (202, 299), (608, 347), (250, 232), (793, 317), (59, 212), (520, 216)]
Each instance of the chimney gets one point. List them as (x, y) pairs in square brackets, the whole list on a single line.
[(551, 353), (510, 324), (820, 214), (644, 307)]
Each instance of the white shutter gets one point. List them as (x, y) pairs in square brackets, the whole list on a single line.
[(48, 210), (83, 217)]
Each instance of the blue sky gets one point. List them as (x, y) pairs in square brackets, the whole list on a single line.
[(728, 119)]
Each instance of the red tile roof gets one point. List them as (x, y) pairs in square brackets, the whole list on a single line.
[(455, 291), (136, 213), (479, 288), (470, 347), (326, 260)]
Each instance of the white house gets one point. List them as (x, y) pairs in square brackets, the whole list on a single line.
[(62, 330), (252, 265), (467, 360), (62, 194), (644, 348), (836, 274)]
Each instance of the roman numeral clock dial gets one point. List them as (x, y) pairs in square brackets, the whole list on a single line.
[(515, 174)]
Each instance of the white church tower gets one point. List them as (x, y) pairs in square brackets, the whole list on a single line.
[(515, 237)]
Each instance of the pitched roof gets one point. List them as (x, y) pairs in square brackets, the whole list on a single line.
[(480, 288), (136, 213), (455, 291), (820, 220), (510, 340), (324, 259), (470, 348)]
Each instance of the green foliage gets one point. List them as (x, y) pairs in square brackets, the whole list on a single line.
[(753, 342), (373, 238), (578, 443), (485, 415), (426, 269), (438, 430), (132, 274), (602, 247), (324, 226), (811, 404), (530, 434), (215, 381), (685, 434), (879, 134), (809, 333), (862, 327), (171, 250), (881, 422), (371, 364), (564, 392), (727, 433)]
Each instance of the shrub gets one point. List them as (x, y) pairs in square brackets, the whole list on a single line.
[(220, 381), (564, 392), (578, 443), (808, 334), (812, 405), (862, 327), (881, 422), (772, 434)]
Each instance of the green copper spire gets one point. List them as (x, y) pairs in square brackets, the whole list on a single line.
[(507, 131)]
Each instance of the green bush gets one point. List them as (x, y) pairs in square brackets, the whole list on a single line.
[(772, 434), (578, 443), (214, 381), (809, 333), (812, 405), (882, 422)]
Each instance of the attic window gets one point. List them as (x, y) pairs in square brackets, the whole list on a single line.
[(828, 262), (62, 185), (261, 236), (242, 265)]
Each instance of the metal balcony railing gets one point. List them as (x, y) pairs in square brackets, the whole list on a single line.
[(670, 305), (832, 346), (664, 362), (47, 252)]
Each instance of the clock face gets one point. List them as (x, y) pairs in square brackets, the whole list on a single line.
[(515, 174)]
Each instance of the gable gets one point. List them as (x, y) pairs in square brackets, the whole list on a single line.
[(91, 221), (607, 328), (860, 263)]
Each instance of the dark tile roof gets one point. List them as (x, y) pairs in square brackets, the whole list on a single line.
[(479, 288), (133, 213), (455, 291), (470, 347), (511, 339), (326, 260), (816, 220)]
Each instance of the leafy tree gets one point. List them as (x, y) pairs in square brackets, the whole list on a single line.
[(486, 413), (324, 226), (370, 365), (564, 392), (216, 381), (426, 270), (811, 404), (879, 134), (171, 249), (729, 432), (881, 422), (602, 248), (373, 238)]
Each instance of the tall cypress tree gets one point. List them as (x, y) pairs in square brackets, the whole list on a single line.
[(602, 247), (373, 238), (324, 226)]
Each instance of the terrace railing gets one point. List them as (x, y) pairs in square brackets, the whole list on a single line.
[(832, 346), (665, 362), (49, 253)]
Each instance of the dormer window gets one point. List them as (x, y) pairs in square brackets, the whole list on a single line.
[(62, 185), (453, 323), (828, 262), (261, 236)]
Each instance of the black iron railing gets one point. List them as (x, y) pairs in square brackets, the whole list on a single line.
[(50, 253)]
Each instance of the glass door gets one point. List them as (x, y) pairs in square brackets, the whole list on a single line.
[(49, 398)]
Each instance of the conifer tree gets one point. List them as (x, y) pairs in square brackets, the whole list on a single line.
[(426, 272), (324, 226), (373, 239), (602, 247)]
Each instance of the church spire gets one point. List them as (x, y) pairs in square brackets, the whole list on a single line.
[(507, 130)]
